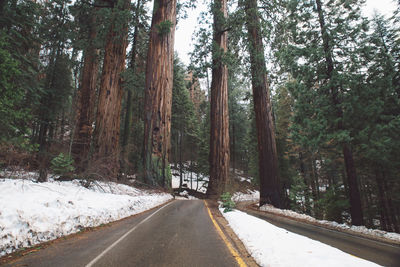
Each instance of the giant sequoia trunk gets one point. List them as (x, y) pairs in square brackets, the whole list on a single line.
[(86, 100), (219, 133), (267, 155), (106, 154), (354, 193), (158, 98)]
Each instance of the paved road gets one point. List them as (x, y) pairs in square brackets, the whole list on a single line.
[(179, 234), (378, 252)]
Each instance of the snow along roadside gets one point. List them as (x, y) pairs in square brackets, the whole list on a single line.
[(361, 230), (31, 213), (380, 235), (273, 246)]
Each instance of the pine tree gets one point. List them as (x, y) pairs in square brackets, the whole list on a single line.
[(57, 87), (184, 132), (322, 55), (270, 191), (19, 52)]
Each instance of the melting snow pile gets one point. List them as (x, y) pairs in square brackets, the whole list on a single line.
[(31, 212), (358, 229), (273, 246)]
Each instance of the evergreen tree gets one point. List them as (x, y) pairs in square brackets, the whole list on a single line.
[(184, 124), (219, 132), (19, 52), (158, 94), (56, 84), (106, 142), (86, 16), (270, 188), (322, 59)]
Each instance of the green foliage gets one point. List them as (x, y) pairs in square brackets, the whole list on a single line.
[(185, 122), (333, 204), (252, 146), (62, 164), (298, 194), (227, 202), (11, 96), (164, 27), (18, 66)]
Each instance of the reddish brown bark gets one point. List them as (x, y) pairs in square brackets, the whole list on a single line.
[(158, 94), (219, 132), (106, 154), (267, 153), (86, 100)]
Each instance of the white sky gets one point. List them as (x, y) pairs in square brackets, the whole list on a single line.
[(185, 28)]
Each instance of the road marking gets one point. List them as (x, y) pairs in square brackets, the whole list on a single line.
[(90, 264), (225, 239)]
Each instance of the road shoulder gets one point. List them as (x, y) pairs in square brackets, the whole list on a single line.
[(230, 234)]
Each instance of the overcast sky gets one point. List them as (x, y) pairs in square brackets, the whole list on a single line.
[(185, 29)]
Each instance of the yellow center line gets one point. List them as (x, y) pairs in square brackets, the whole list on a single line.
[(226, 241)]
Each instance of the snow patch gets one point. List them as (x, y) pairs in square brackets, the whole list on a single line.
[(249, 196)]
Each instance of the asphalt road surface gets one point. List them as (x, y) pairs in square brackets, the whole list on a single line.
[(378, 252), (178, 234)]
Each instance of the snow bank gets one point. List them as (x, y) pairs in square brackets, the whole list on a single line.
[(358, 229), (31, 212), (273, 246), (249, 196)]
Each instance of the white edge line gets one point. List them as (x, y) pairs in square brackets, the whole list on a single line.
[(90, 264)]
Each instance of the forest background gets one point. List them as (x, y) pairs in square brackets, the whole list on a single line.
[(73, 79)]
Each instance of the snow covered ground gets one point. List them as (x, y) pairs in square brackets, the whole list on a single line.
[(31, 212), (273, 246), (249, 196), (335, 225), (201, 186)]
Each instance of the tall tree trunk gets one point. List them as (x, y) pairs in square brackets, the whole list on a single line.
[(233, 152), (305, 173), (107, 130), (86, 100), (158, 94), (384, 218), (180, 160), (354, 193), (219, 132), (312, 179), (128, 110), (391, 209), (270, 190), (46, 119)]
